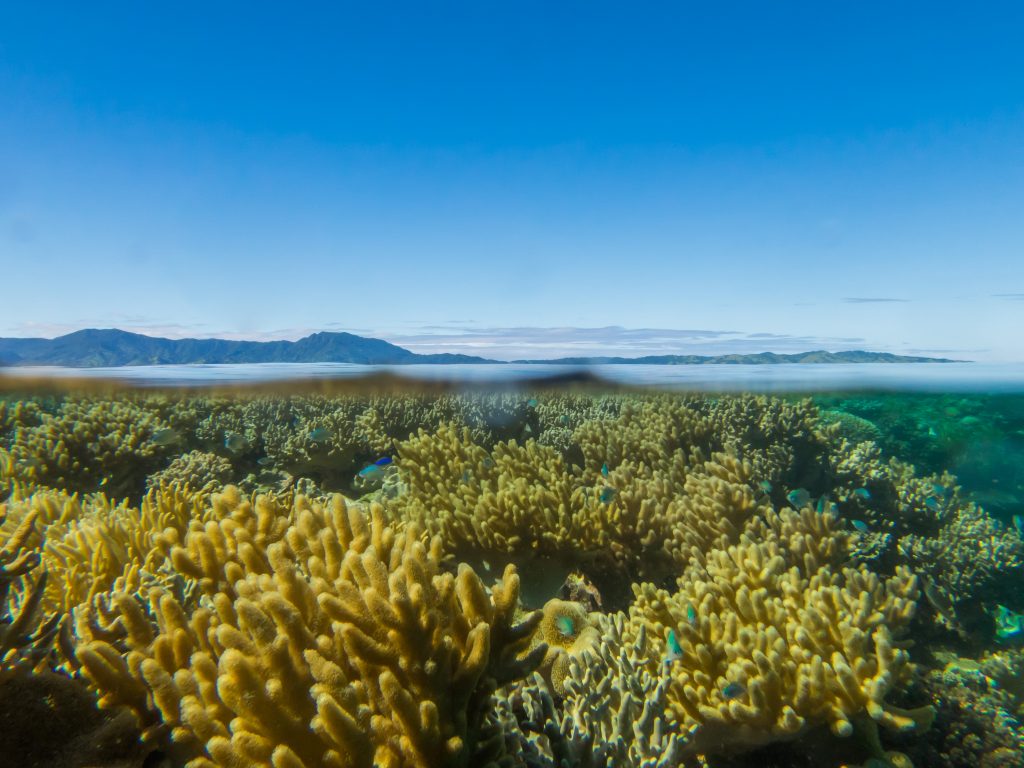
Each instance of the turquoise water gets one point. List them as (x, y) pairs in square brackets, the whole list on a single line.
[(741, 565)]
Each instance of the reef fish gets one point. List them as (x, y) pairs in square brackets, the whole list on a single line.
[(604, 470), (673, 650), (733, 690), (932, 503), (939, 601), (383, 462), (166, 437), (1009, 625), (565, 626), (765, 486), (862, 493), (371, 472), (319, 435), (532, 402), (607, 494), (236, 443), (859, 525), (799, 498), (264, 461), (691, 613), (940, 490), (1018, 523)]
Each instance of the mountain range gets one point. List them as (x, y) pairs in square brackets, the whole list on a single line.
[(92, 348)]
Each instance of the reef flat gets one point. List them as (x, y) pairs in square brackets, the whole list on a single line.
[(553, 578)]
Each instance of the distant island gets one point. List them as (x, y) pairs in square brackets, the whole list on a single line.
[(94, 348)]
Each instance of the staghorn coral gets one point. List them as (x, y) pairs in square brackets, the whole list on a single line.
[(970, 555), (196, 469), (523, 500), (338, 641), (85, 544), (773, 640), (926, 524), (610, 714), (26, 636), (89, 443)]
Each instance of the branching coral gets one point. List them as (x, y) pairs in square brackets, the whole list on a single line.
[(88, 444), (773, 640), (25, 634), (632, 520), (196, 469), (342, 642), (87, 543), (612, 714), (971, 554)]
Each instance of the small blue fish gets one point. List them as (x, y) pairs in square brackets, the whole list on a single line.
[(733, 690), (565, 626), (488, 462), (604, 470), (371, 472), (823, 504), (1018, 523), (607, 494), (860, 526), (765, 486), (532, 402), (862, 493), (691, 613), (564, 419), (932, 503), (236, 443), (319, 435), (674, 650), (383, 462), (799, 498), (466, 475), (940, 490)]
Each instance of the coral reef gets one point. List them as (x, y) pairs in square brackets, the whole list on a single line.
[(85, 544), (761, 565), (198, 470), (567, 631), (773, 639), (88, 444), (978, 713), (611, 713), (335, 641)]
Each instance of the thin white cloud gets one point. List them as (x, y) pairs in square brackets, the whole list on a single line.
[(873, 300), (524, 342)]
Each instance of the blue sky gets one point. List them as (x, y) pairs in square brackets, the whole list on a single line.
[(520, 178)]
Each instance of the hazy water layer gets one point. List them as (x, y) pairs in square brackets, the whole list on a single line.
[(932, 377)]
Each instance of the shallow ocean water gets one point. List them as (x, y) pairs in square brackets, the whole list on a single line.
[(742, 566)]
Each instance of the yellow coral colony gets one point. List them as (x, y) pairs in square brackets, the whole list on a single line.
[(25, 635), (775, 637), (337, 641)]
